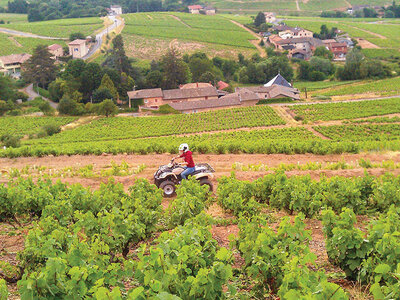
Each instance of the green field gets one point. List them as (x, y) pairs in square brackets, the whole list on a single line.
[(59, 28), (348, 110), (21, 126), (13, 18), (199, 28), (149, 35), (361, 132), (286, 7), (318, 85), (130, 128), (384, 87), (15, 44)]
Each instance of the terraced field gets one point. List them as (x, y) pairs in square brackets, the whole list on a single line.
[(349, 110), (384, 87), (148, 35), (59, 28), (13, 18), (15, 44)]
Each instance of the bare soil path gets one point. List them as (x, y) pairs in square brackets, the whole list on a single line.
[(369, 32), (221, 163), (12, 39), (297, 5), (180, 20), (254, 42)]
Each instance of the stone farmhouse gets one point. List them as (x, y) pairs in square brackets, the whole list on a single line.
[(199, 97), (199, 9), (56, 50), (339, 49), (78, 48), (270, 17), (11, 64)]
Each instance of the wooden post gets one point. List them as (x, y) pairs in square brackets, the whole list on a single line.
[(305, 90)]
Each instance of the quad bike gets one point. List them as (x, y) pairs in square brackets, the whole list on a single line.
[(167, 177)]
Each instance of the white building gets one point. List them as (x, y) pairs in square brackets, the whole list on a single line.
[(78, 48), (116, 9)]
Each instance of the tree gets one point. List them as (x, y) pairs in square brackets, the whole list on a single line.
[(260, 19), (18, 7), (322, 65), (106, 83), (117, 58), (127, 84), (208, 77), (154, 79), (101, 94), (67, 106), (7, 90), (40, 68), (199, 66), (90, 79), (175, 70), (76, 36), (321, 51), (107, 108), (3, 107)]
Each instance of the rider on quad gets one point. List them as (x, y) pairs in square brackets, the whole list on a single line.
[(187, 157)]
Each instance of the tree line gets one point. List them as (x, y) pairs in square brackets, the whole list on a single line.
[(41, 10)]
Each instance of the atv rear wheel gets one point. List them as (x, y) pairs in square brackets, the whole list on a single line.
[(205, 181), (168, 187)]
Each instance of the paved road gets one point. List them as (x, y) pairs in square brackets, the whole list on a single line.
[(330, 101), (32, 95), (27, 34), (99, 37)]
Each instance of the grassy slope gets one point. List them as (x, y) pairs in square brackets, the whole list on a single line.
[(14, 18), (311, 7), (148, 35), (15, 45), (59, 28)]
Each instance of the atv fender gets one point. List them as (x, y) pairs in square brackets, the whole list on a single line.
[(168, 175), (203, 175)]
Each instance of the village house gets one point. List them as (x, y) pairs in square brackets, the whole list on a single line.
[(270, 17), (154, 98), (56, 51), (116, 10), (277, 87), (11, 64), (237, 99), (208, 10), (299, 32), (286, 34), (195, 9), (198, 97), (78, 48), (307, 44), (339, 49)]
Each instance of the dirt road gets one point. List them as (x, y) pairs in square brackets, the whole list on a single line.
[(221, 163), (254, 42)]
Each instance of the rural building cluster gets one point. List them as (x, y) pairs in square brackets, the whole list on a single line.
[(301, 43), (199, 97)]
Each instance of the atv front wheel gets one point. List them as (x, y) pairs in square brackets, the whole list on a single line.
[(168, 187), (205, 181)]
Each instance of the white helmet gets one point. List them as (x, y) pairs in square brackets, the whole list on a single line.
[(184, 147)]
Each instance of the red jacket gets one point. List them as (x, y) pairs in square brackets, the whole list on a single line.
[(187, 156)]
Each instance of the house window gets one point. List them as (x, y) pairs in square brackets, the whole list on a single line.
[(206, 97), (76, 49), (145, 101), (155, 100)]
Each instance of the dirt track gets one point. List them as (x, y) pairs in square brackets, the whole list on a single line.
[(221, 163)]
